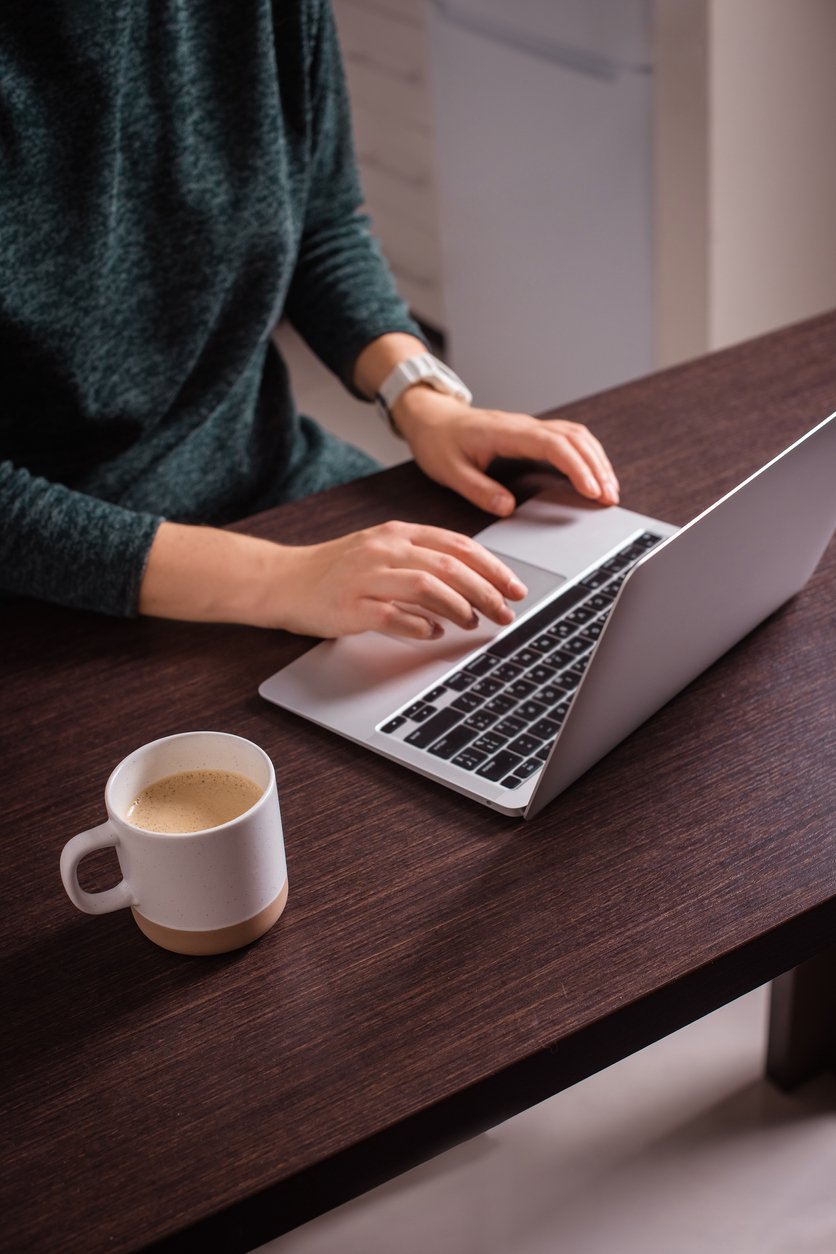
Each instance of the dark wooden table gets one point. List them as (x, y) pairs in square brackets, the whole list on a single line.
[(439, 967)]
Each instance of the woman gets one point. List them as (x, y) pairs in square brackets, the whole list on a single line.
[(175, 179)]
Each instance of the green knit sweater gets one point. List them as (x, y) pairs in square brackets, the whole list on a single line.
[(175, 175)]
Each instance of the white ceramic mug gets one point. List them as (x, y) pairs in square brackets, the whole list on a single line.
[(204, 892)]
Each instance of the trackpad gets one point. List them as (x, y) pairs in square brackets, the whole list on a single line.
[(538, 581)]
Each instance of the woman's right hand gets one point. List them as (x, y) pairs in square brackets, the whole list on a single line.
[(401, 578)]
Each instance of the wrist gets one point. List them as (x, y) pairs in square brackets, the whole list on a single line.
[(420, 371), (204, 574)]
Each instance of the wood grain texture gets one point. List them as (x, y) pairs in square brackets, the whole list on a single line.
[(438, 966)]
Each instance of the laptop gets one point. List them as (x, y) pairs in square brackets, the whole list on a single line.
[(622, 612)]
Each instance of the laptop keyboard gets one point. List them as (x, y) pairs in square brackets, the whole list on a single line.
[(499, 715)]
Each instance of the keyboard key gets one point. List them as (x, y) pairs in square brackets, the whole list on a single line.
[(436, 726), (526, 657), (543, 752), (466, 702), (500, 704), (564, 682), (510, 726), (480, 665), (489, 743), (419, 710), (648, 539), (486, 687), (562, 656), (574, 675), (561, 630), (435, 694), (520, 689), (525, 745), (551, 692), (542, 644), (576, 646), (499, 766), (481, 720), (531, 710), (537, 623), (580, 616), (528, 768), (460, 681), (594, 580), (393, 724), (545, 729), (541, 673), (453, 742), (620, 562), (608, 591), (522, 772), (599, 601), (507, 671), (592, 631), (469, 759)]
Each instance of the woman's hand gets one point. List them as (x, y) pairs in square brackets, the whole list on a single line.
[(454, 444), (400, 578)]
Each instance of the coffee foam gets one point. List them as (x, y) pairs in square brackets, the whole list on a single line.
[(193, 801)]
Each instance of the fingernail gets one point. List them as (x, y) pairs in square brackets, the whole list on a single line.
[(474, 622), (436, 631), (501, 503)]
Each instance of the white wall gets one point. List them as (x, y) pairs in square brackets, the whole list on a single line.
[(745, 169)]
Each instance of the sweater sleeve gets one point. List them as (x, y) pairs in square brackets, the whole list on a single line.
[(342, 295), (70, 548)]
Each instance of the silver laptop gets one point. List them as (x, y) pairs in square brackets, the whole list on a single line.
[(622, 612)]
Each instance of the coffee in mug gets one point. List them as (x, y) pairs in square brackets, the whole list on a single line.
[(192, 800), (197, 829)]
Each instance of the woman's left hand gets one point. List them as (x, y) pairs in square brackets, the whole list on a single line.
[(454, 444)]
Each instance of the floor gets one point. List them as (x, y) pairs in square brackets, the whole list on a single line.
[(681, 1149)]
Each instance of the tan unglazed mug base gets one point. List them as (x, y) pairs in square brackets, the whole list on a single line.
[(220, 940)]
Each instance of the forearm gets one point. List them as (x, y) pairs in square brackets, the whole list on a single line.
[(203, 574), (380, 357)]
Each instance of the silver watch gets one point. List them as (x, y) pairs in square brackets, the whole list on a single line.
[(423, 368)]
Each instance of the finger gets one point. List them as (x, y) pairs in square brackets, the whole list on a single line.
[(479, 593), (481, 490), (564, 444), (397, 620), (592, 451), (425, 592), (472, 554), (538, 440), (598, 446)]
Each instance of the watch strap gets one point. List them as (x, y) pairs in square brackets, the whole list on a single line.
[(422, 368)]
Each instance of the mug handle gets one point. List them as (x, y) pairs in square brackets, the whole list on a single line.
[(101, 837)]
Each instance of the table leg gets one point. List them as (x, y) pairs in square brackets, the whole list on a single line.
[(802, 1022)]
